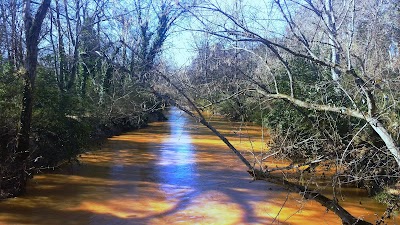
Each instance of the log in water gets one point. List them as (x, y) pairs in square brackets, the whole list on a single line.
[(173, 172)]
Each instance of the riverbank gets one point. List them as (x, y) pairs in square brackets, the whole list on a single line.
[(61, 141), (171, 172), (358, 159), (319, 176), (100, 132)]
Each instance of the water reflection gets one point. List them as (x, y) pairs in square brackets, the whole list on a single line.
[(176, 167), (169, 173)]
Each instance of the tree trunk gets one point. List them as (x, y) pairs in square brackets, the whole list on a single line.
[(330, 204), (22, 149), (378, 127)]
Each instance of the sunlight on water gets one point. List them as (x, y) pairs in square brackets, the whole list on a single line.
[(176, 166), (173, 172)]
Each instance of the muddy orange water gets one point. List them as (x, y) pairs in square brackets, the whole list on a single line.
[(173, 172)]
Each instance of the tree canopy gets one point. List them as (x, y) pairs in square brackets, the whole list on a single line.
[(323, 76)]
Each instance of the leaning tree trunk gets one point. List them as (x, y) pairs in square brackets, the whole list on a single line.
[(343, 214), (17, 182)]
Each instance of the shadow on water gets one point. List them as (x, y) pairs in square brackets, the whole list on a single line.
[(124, 197), (168, 173)]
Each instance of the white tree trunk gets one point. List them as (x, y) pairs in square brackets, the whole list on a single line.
[(386, 137), (372, 121)]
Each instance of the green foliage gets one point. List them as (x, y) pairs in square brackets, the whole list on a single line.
[(392, 200), (281, 116), (60, 139), (10, 94), (65, 123), (59, 135), (232, 108)]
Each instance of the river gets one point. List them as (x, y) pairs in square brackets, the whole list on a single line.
[(173, 172)]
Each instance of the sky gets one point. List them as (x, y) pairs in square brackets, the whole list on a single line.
[(180, 47)]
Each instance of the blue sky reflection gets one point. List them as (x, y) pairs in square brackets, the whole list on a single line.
[(177, 167)]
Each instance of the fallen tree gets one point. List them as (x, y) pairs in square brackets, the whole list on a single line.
[(257, 174), (194, 111)]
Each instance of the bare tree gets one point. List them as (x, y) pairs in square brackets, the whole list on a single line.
[(339, 45), (22, 150), (339, 36)]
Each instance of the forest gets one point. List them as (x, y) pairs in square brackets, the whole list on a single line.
[(322, 76)]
